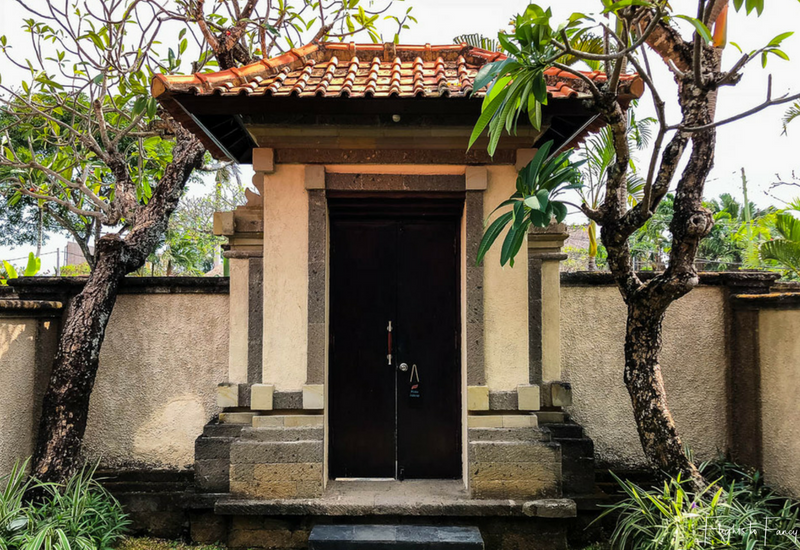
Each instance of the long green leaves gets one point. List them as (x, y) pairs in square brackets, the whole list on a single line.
[(735, 511), (533, 203), (79, 515), (517, 84)]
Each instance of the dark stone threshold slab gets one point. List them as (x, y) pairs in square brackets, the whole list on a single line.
[(556, 508), (343, 537)]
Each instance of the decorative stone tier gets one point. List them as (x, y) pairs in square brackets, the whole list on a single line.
[(267, 457), (279, 461), (513, 462)]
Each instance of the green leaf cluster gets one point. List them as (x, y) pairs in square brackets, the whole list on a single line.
[(33, 267), (534, 203), (77, 515), (735, 511), (516, 84)]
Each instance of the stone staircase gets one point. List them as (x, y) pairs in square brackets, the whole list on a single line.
[(278, 462), (577, 457), (212, 456)]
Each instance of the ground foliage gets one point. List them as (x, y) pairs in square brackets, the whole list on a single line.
[(736, 511), (76, 515)]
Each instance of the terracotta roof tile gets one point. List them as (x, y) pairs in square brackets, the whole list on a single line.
[(374, 70), (349, 70)]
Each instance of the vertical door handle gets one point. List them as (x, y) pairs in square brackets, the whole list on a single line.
[(389, 333)]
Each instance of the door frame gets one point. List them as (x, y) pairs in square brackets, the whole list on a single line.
[(448, 206), (362, 181)]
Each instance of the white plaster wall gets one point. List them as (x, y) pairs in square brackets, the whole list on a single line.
[(779, 349), (163, 356), (17, 378), (505, 297), (693, 363), (285, 278)]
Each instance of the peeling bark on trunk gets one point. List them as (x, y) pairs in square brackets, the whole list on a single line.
[(66, 401), (63, 421), (657, 431)]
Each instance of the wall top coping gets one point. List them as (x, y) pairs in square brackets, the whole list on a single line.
[(30, 288), (751, 280), (773, 300), (29, 308)]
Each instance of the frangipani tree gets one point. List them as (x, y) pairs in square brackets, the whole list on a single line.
[(634, 31), (82, 134)]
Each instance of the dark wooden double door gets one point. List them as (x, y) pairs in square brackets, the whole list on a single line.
[(395, 394)]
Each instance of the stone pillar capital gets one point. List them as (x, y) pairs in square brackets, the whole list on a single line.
[(545, 242)]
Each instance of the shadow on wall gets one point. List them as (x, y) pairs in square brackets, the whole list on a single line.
[(163, 357), (17, 381), (694, 365)]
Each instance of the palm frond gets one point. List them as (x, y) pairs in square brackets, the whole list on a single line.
[(784, 252), (635, 186), (789, 227), (588, 43), (791, 114), (477, 40)]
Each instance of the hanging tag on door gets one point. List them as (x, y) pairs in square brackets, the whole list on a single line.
[(414, 393)]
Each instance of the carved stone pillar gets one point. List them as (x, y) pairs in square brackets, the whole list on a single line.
[(544, 312), (244, 228)]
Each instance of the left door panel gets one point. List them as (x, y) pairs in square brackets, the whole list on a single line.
[(361, 380)]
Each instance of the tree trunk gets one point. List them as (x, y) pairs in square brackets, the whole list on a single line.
[(66, 402), (648, 301), (657, 431), (65, 408)]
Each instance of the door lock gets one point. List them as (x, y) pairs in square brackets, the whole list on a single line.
[(403, 367)]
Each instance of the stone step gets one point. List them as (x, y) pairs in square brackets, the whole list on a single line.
[(578, 476), (543, 452), (574, 448), (270, 452), (283, 434), (394, 537), (222, 430), (508, 434), (288, 421), (565, 430)]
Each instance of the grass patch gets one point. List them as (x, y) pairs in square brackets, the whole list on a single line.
[(144, 543)]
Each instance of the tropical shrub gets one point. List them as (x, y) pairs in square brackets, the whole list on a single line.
[(10, 272), (77, 515), (535, 203), (736, 511)]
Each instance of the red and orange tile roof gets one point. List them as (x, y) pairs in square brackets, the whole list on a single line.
[(348, 70)]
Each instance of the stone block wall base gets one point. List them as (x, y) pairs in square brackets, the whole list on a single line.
[(513, 463), (280, 457), (292, 532)]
